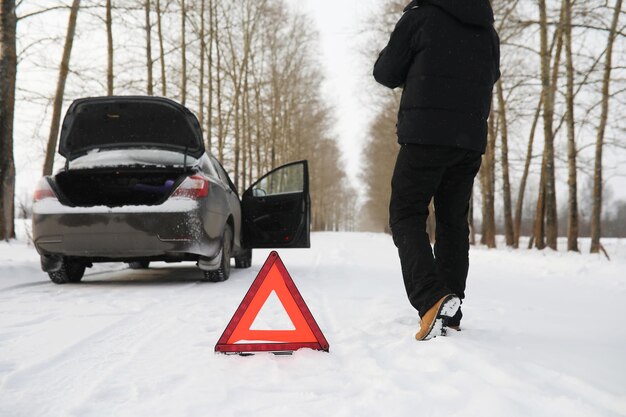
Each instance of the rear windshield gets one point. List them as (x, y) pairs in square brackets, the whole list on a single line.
[(110, 125)]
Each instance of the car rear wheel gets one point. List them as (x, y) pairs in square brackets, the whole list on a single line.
[(139, 265), (244, 260), (223, 272), (70, 271)]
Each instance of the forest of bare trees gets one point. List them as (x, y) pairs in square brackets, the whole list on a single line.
[(246, 68), (556, 133)]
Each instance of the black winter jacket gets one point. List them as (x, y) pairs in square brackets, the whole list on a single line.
[(446, 54)]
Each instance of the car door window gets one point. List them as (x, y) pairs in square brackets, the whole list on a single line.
[(276, 210), (223, 175), (283, 181), (208, 168)]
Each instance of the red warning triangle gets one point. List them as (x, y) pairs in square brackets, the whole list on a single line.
[(273, 277)]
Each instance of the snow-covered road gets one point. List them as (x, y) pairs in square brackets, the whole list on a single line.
[(543, 336)]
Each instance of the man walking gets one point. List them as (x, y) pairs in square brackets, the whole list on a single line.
[(446, 55)]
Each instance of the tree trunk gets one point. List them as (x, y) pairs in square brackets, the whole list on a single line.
[(548, 117), (161, 49), (60, 91), (109, 25), (183, 46), (149, 89), (470, 220), (257, 147), (218, 85), (237, 137), (487, 187), (202, 54), (596, 212), (506, 183), (539, 226), (209, 110), (556, 41), (572, 183), (8, 71), (247, 161), (431, 222), (522, 187)]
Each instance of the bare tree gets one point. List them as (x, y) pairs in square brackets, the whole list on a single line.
[(522, 187), (8, 72), (60, 90), (202, 58), (218, 84), (506, 183), (183, 55), (109, 25), (470, 221), (159, 13), (149, 62), (548, 184), (487, 187), (572, 183), (209, 110), (597, 173), (380, 156)]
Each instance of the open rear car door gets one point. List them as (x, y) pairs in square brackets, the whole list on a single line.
[(276, 209)]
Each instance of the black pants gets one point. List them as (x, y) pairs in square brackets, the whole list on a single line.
[(447, 174)]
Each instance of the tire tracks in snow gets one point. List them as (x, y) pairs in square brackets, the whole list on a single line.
[(81, 368), (47, 283)]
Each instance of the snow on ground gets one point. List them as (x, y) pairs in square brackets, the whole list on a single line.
[(543, 336)]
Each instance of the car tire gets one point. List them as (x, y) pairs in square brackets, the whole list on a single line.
[(244, 260), (139, 265), (223, 272), (70, 272)]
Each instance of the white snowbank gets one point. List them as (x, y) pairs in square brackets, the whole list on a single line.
[(543, 336)]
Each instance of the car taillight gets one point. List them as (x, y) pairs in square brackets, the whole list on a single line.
[(43, 191), (193, 187)]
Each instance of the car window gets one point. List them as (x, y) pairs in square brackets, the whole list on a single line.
[(285, 180), (223, 174), (208, 168)]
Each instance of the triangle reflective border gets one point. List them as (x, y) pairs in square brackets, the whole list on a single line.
[(239, 338)]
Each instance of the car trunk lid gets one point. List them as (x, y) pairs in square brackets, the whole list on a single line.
[(123, 122)]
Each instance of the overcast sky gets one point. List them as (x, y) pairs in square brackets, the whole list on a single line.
[(339, 23)]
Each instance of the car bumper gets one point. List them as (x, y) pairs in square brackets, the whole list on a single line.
[(173, 229)]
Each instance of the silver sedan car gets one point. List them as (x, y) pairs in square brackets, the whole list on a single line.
[(138, 186)]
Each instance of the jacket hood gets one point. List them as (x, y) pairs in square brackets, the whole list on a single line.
[(471, 12)]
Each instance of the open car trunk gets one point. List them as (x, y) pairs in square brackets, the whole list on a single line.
[(115, 188), (129, 122)]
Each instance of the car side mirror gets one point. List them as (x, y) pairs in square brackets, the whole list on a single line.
[(258, 192)]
